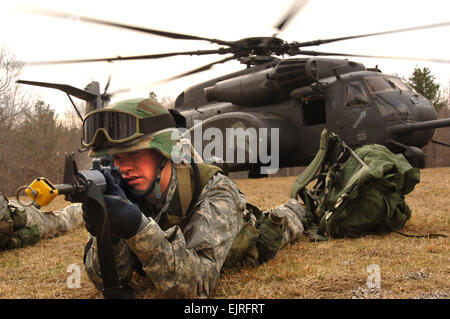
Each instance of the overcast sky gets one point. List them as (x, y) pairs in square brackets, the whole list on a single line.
[(36, 38)]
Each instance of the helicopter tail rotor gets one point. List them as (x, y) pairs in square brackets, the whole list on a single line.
[(106, 97), (291, 12)]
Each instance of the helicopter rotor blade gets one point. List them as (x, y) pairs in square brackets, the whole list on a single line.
[(319, 53), (135, 57), (319, 42), (172, 35), (196, 70), (105, 96), (293, 10), (108, 82)]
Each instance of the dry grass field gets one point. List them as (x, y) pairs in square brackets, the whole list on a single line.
[(409, 267)]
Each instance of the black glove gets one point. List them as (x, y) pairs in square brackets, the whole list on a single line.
[(91, 217), (113, 183), (124, 216)]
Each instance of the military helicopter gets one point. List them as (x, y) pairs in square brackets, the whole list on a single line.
[(296, 98)]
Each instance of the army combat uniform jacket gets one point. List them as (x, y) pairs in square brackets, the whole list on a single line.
[(186, 261), (21, 226)]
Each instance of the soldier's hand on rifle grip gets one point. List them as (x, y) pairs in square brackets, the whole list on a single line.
[(92, 217), (113, 187), (124, 216)]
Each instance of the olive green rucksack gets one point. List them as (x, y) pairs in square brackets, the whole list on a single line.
[(355, 192)]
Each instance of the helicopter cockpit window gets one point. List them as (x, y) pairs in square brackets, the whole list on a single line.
[(378, 84), (355, 94), (399, 84)]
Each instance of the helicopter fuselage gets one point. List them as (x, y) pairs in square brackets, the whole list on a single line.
[(360, 106)]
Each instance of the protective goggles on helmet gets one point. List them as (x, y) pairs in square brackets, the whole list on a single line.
[(120, 126)]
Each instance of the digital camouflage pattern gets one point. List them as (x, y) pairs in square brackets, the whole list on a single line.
[(187, 262), (184, 258), (52, 224), (21, 226)]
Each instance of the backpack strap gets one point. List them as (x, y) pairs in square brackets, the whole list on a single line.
[(403, 234), (321, 170), (313, 169), (191, 179), (198, 187), (184, 185)]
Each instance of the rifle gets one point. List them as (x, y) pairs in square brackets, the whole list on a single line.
[(74, 186), (87, 187)]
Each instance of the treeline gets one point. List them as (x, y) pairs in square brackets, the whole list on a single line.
[(33, 143), (33, 139), (424, 82), (439, 155)]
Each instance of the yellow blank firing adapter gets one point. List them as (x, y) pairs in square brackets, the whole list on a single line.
[(41, 191)]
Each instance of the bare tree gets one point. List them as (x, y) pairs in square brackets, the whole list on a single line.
[(12, 103), (33, 139), (12, 100), (73, 124)]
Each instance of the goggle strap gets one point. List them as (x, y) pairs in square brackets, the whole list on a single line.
[(157, 123)]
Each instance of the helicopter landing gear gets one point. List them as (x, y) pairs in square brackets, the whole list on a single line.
[(416, 161), (413, 154), (255, 172)]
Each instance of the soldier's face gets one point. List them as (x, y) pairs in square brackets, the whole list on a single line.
[(138, 168)]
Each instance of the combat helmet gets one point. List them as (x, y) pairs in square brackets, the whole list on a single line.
[(132, 125), (128, 126)]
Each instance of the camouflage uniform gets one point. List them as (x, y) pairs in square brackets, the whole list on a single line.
[(21, 226), (185, 259), (187, 262)]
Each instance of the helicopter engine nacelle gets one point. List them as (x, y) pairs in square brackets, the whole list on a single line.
[(249, 89), (264, 87), (275, 84)]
